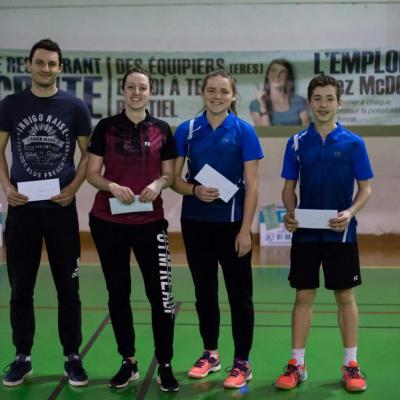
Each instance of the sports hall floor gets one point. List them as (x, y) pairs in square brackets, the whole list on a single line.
[(379, 346)]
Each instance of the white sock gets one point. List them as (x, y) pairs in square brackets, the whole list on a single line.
[(214, 354), (298, 355), (74, 356), (350, 354)]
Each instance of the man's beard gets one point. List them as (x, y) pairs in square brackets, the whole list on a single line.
[(45, 85)]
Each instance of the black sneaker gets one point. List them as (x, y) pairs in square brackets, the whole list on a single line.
[(17, 371), (166, 378), (75, 372), (128, 372)]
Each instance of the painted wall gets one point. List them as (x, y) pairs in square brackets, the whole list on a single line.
[(223, 25)]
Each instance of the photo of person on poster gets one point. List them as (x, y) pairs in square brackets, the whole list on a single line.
[(276, 103)]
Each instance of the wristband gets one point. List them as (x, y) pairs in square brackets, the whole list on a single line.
[(263, 113), (194, 188)]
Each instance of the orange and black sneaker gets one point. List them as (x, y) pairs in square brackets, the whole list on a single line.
[(239, 374), (292, 375), (354, 380), (204, 365)]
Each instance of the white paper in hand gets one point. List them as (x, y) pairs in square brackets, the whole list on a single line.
[(316, 219), (117, 207), (39, 190), (210, 177)]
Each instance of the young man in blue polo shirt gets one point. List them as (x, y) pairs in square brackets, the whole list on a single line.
[(326, 158)]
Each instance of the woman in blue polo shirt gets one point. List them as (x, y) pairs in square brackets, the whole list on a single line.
[(215, 231)]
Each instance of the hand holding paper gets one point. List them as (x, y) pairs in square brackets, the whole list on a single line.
[(290, 221), (205, 193), (341, 221), (210, 177), (153, 190), (65, 197), (117, 207), (14, 198), (123, 193), (39, 190), (315, 219)]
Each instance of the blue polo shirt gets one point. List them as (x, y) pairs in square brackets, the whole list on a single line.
[(226, 150), (326, 171)]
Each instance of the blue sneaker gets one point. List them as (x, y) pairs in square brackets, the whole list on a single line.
[(17, 371), (75, 372)]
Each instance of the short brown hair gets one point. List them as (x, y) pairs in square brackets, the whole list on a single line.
[(323, 80), (46, 44)]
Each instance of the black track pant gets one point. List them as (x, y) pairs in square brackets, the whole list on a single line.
[(149, 243), (207, 244), (25, 229)]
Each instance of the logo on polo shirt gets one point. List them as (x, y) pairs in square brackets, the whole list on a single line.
[(337, 154), (43, 144)]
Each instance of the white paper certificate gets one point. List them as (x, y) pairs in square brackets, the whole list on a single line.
[(316, 219), (117, 207), (39, 190), (209, 177)]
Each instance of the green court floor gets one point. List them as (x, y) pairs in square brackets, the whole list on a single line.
[(379, 347)]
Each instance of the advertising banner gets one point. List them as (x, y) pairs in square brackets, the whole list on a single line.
[(370, 81), (272, 228)]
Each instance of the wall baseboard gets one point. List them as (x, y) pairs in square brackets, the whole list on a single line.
[(176, 237)]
